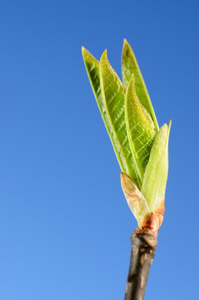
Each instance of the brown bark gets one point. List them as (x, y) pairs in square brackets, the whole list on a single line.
[(144, 243)]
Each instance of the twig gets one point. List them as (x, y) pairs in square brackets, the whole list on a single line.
[(144, 243)]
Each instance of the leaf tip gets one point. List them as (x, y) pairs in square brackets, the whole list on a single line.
[(83, 50), (125, 43), (104, 60), (127, 183), (131, 88), (132, 80), (126, 48), (170, 122), (123, 177), (104, 55)]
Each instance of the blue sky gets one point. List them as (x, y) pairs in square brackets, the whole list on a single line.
[(64, 223)]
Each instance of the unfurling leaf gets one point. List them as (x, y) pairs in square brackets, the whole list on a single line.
[(129, 67), (140, 130), (113, 93), (92, 68), (155, 177)]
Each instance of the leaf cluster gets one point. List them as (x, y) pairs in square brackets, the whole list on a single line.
[(140, 147)]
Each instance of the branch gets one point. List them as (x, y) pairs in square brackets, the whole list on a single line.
[(144, 243)]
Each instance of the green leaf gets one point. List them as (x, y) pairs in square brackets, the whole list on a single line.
[(92, 68), (113, 93), (129, 67), (155, 177), (140, 130)]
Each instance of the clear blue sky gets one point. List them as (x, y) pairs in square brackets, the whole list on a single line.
[(64, 222)]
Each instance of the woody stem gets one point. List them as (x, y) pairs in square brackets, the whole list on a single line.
[(144, 243)]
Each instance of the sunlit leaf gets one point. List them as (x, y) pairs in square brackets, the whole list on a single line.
[(92, 68), (113, 93), (129, 67), (155, 177), (140, 130)]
